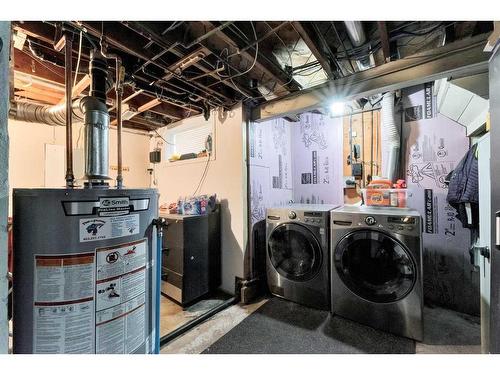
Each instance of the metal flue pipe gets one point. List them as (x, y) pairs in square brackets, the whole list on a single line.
[(68, 72)]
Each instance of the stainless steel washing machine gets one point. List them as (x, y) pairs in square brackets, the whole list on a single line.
[(376, 263), (297, 261)]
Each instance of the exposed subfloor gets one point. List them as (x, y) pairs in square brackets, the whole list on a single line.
[(446, 331)]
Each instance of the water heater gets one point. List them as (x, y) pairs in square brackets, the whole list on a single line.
[(86, 265), (84, 270)]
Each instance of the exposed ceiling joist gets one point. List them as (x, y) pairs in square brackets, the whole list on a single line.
[(308, 40), (80, 87), (37, 96), (384, 39), (27, 64), (275, 74), (143, 108), (160, 40), (456, 59)]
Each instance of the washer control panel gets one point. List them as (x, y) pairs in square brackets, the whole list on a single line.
[(403, 224), (370, 220)]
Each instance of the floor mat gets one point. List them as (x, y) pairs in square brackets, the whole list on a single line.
[(282, 327)]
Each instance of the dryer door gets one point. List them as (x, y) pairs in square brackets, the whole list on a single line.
[(375, 266), (294, 252)]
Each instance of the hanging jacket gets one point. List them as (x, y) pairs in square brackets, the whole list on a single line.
[(463, 189)]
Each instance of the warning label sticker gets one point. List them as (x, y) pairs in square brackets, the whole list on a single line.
[(63, 311), (102, 228), (120, 297)]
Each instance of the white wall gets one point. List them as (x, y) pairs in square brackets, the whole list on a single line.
[(27, 154), (226, 177)]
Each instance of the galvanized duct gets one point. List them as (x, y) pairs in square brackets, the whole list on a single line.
[(96, 147), (54, 115), (391, 138), (357, 37)]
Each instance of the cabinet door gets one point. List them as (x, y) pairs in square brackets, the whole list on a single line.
[(173, 245)]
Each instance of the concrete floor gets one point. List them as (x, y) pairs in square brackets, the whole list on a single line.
[(198, 339), (172, 315), (446, 331)]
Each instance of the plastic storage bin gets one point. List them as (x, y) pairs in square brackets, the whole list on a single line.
[(385, 197)]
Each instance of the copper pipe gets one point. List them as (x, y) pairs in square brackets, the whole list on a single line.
[(68, 73), (119, 77), (119, 96)]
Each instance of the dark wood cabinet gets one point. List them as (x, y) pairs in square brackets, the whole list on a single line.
[(191, 256)]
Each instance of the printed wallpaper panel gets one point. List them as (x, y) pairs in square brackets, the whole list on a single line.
[(312, 173), (434, 145)]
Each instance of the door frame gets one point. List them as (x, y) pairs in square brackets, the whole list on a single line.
[(494, 96)]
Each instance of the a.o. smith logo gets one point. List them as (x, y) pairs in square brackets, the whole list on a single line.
[(113, 206), (114, 202)]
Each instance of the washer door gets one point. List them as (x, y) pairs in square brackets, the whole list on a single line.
[(294, 252), (375, 266)]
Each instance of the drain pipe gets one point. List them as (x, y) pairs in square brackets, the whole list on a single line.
[(68, 71), (391, 138)]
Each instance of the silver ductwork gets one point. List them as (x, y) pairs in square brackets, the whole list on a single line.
[(96, 148), (54, 115), (91, 110), (355, 32), (390, 137), (357, 37)]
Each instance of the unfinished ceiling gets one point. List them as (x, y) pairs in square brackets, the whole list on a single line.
[(178, 69)]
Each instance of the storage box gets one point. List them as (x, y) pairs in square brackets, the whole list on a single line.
[(385, 197)]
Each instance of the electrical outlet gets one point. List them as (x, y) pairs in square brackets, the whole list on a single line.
[(357, 169)]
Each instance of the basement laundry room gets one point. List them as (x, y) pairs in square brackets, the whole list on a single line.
[(293, 186)]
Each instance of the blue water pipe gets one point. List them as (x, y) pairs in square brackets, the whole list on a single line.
[(159, 245)]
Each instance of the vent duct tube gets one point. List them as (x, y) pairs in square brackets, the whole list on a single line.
[(357, 37), (96, 122), (54, 115), (390, 137)]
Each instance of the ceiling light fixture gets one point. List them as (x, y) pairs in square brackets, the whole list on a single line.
[(337, 108)]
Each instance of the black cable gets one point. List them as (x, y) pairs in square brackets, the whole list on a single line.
[(203, 176), (164, 140), (43, 62)]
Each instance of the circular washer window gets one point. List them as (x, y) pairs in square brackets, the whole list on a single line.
[(375, 266), (294, 252)]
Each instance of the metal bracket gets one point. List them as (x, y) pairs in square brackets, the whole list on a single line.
[(483, 250)]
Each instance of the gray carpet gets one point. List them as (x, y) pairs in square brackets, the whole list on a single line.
[(448, 327), (282, 327)]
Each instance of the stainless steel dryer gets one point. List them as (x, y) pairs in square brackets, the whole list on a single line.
[(376, 263), (297, 261)]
